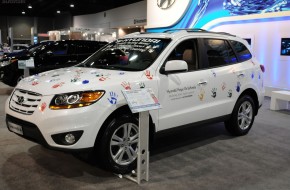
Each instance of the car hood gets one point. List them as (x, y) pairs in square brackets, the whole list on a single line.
[(18, 54), (74, 79)]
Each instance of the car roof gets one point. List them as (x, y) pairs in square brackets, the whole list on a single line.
[(178, 33), (78, 41), (25, 45)]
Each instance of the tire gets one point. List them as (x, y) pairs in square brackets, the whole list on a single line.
[(242, 117), (119, 145), (13, 80)]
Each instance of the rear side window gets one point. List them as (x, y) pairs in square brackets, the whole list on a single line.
[(88, 48), (83, 48), (219, 52), (242, 51)]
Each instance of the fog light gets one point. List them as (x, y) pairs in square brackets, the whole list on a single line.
[(70, 138)]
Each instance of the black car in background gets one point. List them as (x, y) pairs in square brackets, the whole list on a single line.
[(48, 56)]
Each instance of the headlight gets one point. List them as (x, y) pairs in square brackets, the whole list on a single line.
[(75, 99), (4, 63), (7, 62)]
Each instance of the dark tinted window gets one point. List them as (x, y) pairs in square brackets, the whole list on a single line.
[(85, 48), (242, 51), (186, 51), (71, 49), (58, 49), (219, 52)]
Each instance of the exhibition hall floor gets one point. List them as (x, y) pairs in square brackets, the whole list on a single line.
[(204, 157)]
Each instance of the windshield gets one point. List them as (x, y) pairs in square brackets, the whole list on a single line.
[(129, 54)]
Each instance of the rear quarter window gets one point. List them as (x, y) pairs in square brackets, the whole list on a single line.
[(219, 52), (241, 50)]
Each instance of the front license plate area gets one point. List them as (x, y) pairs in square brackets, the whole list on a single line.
[(15, 128)]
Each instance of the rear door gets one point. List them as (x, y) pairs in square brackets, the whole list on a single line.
[(224, 76)]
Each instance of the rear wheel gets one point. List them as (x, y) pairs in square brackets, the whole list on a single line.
[(119, 145), (242, 117)]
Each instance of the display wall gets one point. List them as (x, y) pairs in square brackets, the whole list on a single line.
[(264, 22), (114, 18)]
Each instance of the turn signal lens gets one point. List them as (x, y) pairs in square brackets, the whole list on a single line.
[(75, 100), (91, 96)]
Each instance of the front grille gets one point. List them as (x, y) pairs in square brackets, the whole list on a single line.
[(24, 102)]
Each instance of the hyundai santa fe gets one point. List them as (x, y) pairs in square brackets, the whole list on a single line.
[(198, 76)]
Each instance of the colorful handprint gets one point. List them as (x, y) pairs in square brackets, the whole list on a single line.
[(58, 85), (142, 85), (42, 107), (230, 93), (213, 91), (34, 83), (113, 98), (224, 86), (238, 87), (201, 95), (148, 75), (126, 85)]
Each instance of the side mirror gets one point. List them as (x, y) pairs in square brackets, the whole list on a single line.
[(174, 66)]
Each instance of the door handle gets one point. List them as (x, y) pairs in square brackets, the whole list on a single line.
[(202, 83)]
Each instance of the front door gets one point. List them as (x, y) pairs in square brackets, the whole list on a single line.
[(184, 96)]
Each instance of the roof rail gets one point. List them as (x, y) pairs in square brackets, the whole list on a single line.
[(197, 30), (186, 29), (225, 33)]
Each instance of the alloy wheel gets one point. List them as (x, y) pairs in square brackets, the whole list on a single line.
[(124, 144), (245, 115)]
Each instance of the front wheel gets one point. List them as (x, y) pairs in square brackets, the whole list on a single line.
[(119, 145), (242, 117)]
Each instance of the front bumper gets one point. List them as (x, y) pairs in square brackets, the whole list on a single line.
[(42, 125)]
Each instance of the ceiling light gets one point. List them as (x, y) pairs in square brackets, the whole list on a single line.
[(29, 6), (23, 12), (72, 5), (58, 11)]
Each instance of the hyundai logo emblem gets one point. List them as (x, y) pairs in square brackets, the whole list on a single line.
[(20, 99), (165, 4)]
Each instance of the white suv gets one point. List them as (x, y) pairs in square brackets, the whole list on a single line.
[(198, 76)]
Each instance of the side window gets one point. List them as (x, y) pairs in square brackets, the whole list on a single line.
[(219, 52), (93, 47), (71, 49), (186, 51), (242, 51), (83, 49), (58, 49)]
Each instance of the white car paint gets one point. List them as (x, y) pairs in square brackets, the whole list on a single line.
[(185, 97)]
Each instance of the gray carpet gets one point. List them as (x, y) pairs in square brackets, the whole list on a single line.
[(204, 157)]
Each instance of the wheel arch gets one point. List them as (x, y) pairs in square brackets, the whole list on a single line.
[(251, 92), (123, 110)]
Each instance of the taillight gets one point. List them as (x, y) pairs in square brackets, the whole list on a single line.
[(262, 68)]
